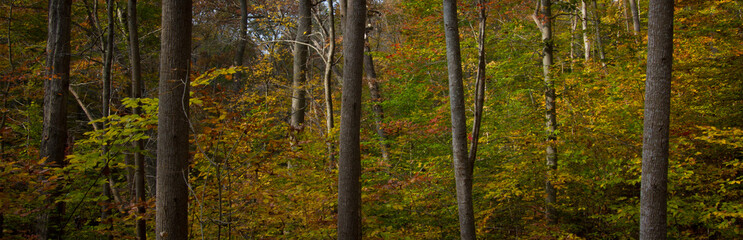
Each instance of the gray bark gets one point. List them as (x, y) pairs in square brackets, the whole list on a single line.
[(584, 27), (653, 193), (376, 98), (327, 82), (635, 16), (349, 164), (137, 92), (304, 27), (173, 123), (105, 103), (54, 132), (462, 165), (597, 22), (479, 85), (543, 20)]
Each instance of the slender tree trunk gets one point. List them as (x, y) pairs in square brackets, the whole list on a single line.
[(543, 20), (597, 22), (627, 15), (635, 16), (371, 80), (137, 92), (462, 165), (327, 82), (173, 122), (54, 132), (584, 27), (304, 28), (479, 85), (349, 169), (105, 101), (653, 194)]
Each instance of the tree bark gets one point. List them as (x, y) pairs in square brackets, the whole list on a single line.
[(376, 97), (304, 27), (462, 165), (327, 82), (137, 93), (54, 132), (173, 121), (654, 181), (349, 169), (635, 16), (597, 22), (543, 19), (242, 43), (584, 27), (479, 85), (105, 104)]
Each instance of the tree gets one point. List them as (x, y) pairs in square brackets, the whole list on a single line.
[(584, 27), (105, 104), (54, 135), (654, 181), (349, 162), (173, 121), (327, 80), (543, 18), (462, 165), (304, 27), (376, 98), (635, 16), (137, 90), (479, 83)]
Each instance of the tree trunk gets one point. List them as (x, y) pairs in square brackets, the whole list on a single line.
[(105, 103), (54, 133), (304, 28), (137, 92), (371, 80), (597, 22), (327, 82), (635, 16), (479, 85), (462, 166), (173, 121), (584, 27), (543, 20), (349, 169), (627, 15), (653, 193)]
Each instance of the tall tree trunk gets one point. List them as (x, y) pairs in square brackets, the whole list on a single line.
[(597, 22), (376, 97), (327, 82), (105, 103), (54, 133), (635, 16), (462, 165), (653, 193), (479, 85), (173, 122), (137, 93), (627, 15), (543, 19), (304, 28), (584, 27), (349, 164)]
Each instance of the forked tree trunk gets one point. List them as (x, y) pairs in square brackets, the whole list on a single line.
[(543, 19), (479, 85), (462, 165), (653, 193), (173, 122), (54, 132), (300, 63), (137, 93), (349, 164)]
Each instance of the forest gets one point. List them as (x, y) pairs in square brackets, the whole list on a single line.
[(375, 119)]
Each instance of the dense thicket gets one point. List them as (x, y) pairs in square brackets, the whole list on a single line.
[(248, 179)]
